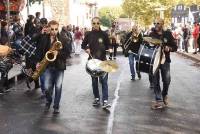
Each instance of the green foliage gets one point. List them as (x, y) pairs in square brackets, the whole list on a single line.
[(123, 16), (105, 21), (109, 14), (33, 1), (143, 11)]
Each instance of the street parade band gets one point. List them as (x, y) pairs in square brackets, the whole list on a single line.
[(46, 52)]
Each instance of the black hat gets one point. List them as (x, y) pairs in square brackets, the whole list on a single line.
[(43, 21)]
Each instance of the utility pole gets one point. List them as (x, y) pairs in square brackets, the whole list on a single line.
[(27, 5), (8, 18)]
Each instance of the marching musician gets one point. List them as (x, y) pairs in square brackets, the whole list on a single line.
[(169, 45), (95, 43), (113, 42), (132, 45), (54, 72)]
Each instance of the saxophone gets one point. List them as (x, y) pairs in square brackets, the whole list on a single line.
[(50, 56)]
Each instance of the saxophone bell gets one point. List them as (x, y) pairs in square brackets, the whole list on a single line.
[(51, 55)]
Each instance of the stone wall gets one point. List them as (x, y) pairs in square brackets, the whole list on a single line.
[(59, 10)]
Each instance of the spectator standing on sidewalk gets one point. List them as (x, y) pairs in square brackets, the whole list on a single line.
[(5, 63), (18, 32), (195, 35), (78, 36), (186, 37)]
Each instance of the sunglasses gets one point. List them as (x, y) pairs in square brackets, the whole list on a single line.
[(54, 29), (156, 23), (96, 23)]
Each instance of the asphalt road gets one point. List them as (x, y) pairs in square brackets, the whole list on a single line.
[(130, 113)]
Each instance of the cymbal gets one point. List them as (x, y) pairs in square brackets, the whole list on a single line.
[(153, 40), (109, 66)]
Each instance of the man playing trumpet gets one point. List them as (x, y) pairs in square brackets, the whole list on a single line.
[(131, 46)]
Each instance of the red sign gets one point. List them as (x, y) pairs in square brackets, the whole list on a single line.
[(15, 5)]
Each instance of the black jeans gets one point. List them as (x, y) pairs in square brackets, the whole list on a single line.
[(164, 70), (185, 42), (114, 47)]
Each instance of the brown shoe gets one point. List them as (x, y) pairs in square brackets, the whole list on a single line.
[(157, 105), (165, 100)]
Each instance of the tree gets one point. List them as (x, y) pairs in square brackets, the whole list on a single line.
[(109, 14), (143, 11), (33, 1)]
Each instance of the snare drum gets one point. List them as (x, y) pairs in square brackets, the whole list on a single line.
[(93, 68), (149, 58)]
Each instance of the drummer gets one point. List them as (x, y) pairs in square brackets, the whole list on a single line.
[(169, 45), (132, 45), (95, 44)]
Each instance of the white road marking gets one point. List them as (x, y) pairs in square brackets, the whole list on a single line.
[(114, 104)]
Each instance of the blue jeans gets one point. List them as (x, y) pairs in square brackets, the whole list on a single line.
[(132, 57), (42, 78), (104, 81), (53, 78), (166, 79)]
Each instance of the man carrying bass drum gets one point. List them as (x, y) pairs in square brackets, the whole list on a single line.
[(169, 45), (95, 43)]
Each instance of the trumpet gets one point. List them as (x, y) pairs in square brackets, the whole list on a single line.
[(135, 36)]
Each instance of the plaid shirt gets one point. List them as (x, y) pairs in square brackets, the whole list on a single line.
[(27, 46)]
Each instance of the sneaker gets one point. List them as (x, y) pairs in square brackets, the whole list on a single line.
[(56, 111), (151, 86), (139, 76), (165, 100), (110, 58), (47, 107), (114, 58), (96, 102), (195, 53), (132, 78), (2, 92), (105, 104), (157, 105)]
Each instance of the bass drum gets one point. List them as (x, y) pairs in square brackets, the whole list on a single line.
[(149, 57), (93, 68)]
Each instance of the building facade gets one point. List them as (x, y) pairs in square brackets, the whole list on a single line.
[(182, 14)]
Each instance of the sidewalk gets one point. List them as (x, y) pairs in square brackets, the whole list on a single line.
[(190, 55), (15, 74)]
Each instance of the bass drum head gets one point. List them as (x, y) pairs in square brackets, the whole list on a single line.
[(143, 64), (156, 61), (93, 68)]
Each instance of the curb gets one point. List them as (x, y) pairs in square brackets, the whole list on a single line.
[(194, 58), (15, 79)]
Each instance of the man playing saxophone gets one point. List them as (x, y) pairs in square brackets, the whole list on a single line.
[(131, 46), (54, 63)]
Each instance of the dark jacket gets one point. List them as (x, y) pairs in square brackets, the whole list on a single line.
[(133, 46), (98, 42), (67, 37), (43, 44), (168, 40)]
